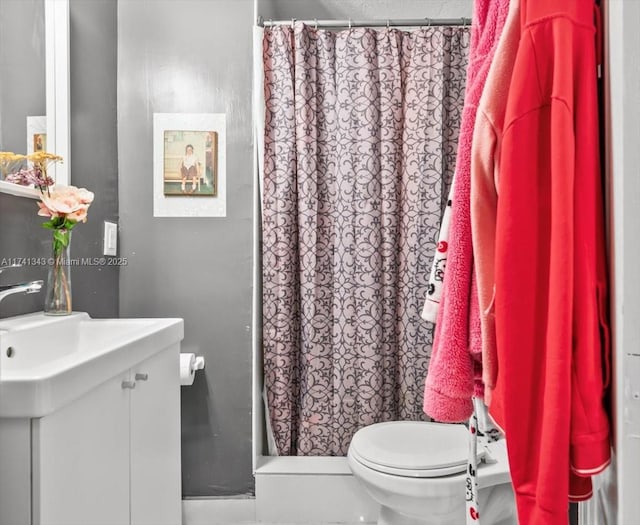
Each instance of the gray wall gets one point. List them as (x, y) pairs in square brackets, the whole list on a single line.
[(192, 57), (21, 237), (363, 9), (94, 146), (22, 93), (93, 165), (195, 57)]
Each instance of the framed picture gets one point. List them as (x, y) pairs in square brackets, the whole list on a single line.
[(189, 165), (36, 134)]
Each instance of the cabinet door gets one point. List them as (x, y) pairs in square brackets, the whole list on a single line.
[(81, 460), (15, 470), (155, 440)]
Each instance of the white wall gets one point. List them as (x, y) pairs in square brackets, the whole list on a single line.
[(622, 73)]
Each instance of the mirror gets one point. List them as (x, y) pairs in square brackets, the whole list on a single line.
[(48, 31)]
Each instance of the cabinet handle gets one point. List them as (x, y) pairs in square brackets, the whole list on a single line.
[(128, 384), (142, 377)]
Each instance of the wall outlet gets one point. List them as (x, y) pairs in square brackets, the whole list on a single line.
[(110, 239)]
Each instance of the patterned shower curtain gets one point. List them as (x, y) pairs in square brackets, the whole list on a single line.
[(361, 128)]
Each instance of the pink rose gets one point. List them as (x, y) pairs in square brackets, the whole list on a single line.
[(44, 211), (80, 215), (66, 201), (85, 196)]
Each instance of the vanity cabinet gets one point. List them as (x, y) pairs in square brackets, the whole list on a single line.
[(81, 460), (111, 457), (156, 495)]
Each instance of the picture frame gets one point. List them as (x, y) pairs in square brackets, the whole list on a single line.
[(189, 164), (36, 134)]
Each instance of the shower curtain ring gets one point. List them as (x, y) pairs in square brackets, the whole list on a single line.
[(349, 23), (428, 22), (316, 22), (464, 22), (293, 23), (388, 23)]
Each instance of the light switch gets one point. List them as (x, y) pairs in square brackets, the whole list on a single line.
[(110, 240)]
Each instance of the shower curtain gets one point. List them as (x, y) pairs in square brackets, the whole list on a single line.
[(361, 129)]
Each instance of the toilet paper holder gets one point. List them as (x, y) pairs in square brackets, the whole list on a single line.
[(189, 364)]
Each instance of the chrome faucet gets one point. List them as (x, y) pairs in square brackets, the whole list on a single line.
[(10, 289)]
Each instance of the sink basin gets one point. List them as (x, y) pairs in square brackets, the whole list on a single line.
[(46, 362)]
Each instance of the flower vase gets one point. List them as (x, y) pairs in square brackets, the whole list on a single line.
[(58, 298)]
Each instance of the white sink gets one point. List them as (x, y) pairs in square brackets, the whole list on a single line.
[(46, 362)]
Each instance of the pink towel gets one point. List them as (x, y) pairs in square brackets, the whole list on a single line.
[(485, 156), (457, 347)]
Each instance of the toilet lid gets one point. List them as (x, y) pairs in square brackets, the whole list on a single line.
[(413, 448)]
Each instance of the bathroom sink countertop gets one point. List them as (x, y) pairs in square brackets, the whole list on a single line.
[(46, 361)]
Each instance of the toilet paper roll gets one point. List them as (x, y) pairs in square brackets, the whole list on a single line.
[(187, 369)]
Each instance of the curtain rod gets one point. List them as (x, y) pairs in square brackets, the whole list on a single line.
[(417, 22)]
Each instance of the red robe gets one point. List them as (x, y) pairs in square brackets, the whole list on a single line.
[(550, 271)]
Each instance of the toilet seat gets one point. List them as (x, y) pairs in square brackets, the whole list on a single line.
[(412, 448)]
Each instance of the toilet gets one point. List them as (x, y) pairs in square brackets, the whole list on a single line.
[(416, 471)]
